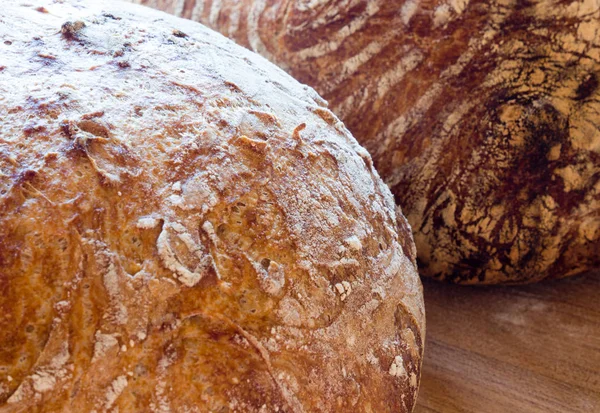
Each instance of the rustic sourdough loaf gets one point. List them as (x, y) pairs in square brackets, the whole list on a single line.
[(482, 116), (185, 228)]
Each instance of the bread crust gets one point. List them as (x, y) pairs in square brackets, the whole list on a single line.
[(184, 227), (482, 117)]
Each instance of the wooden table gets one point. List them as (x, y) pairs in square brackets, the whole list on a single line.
[(532, 348)]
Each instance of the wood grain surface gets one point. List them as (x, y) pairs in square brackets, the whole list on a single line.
[(533, 348)]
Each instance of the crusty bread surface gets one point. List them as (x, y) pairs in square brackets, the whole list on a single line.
[(185, 228)]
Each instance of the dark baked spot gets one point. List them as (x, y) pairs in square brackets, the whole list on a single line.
[(33, 129), (179, 33), (70, 30), (68, 128), (527, 258), (265, 262), (111, 16), (438, 220), (476, 260), (92, 115), (93, 127), (546, 127), (470, 265), (587, 87), (542, 128), (232, 86), (27, 175)]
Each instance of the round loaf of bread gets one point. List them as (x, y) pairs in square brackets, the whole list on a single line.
[(185, 228), (482, 116)]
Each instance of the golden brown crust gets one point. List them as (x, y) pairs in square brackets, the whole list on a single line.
[(482, 116), (185, 228)]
